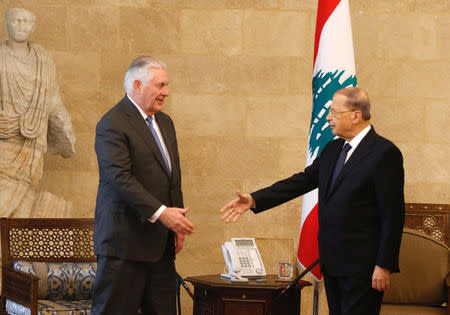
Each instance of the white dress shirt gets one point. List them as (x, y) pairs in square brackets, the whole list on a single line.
[(356, 140)]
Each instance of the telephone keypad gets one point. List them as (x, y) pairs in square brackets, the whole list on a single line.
[(244, 260)]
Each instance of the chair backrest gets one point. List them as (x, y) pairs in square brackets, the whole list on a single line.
[(47, 240), (430, 218), (424, 263)]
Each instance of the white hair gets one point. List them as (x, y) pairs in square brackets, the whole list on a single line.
[(140, 69), (12, 11)]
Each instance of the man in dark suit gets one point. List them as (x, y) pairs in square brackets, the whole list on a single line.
[(361, 206), (139, 215)]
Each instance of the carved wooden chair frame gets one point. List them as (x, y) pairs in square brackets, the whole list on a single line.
[(40, 240)]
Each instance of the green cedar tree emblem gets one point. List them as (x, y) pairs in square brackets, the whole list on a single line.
[(324, 86)]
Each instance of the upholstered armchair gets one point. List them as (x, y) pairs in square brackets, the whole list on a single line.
[(48, 266), (422, 286)]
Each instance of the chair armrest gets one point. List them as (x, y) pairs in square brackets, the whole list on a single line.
[(20, 287)]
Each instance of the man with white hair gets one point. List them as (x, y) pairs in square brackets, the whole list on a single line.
[(139, 216)]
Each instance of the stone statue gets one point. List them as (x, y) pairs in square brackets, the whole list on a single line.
[(32, 116)]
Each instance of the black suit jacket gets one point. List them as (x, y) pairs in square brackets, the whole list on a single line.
[(361, 217), (134, 182)]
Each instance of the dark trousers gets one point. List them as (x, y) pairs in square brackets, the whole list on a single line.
[(122, 287), (352, 295)]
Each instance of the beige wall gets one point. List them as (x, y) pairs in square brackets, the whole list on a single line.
[(240, 87)]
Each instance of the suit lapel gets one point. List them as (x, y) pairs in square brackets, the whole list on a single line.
[(141, 127), (361, 151), (332, 158)]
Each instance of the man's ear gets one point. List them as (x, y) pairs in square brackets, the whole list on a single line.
[(356, 116), (137, 87)]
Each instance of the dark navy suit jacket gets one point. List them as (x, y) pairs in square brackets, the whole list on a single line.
[(361, 217), (134, 182)]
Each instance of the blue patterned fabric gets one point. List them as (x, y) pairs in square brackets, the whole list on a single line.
[(52, 307), (14, 308), (63, 307), (70, 281), (61, 281), (25, 266)]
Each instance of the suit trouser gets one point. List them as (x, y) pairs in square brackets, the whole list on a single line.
[(122, 287), (352, 295)]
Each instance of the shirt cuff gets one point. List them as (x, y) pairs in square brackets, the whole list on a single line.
[(156, 215)]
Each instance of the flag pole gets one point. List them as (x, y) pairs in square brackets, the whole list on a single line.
[(316, 298)]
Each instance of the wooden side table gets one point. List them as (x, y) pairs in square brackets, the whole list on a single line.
[(214, 295)]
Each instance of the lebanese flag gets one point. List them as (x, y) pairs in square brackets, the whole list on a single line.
[(334, 69)]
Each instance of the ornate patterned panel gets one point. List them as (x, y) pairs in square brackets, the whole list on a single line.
[(50, 243), (431, 219)]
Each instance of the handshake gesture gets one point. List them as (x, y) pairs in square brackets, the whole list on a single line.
[(235, 208)]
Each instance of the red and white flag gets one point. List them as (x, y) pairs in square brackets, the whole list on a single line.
[(334, 69)]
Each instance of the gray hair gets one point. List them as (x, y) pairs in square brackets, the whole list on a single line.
[(12, 11), (140, 69), (357, 99)]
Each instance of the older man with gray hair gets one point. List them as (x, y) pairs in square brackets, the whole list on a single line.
[(361, 212), (139, 216)]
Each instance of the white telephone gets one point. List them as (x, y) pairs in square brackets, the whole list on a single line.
[(243, 259)]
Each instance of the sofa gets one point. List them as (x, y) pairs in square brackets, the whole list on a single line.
[(48, 266), (422, 286)]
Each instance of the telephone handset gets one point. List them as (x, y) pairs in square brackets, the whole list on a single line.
[(243, 259)]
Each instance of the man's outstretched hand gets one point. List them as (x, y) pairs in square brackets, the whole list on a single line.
[(235, 208)]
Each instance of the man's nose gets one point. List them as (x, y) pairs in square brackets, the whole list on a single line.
[(328, 118)]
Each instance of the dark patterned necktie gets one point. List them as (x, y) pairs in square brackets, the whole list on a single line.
[(155, 135), (340, 163)]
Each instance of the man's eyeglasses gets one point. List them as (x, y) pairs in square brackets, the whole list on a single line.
[(334, 112)]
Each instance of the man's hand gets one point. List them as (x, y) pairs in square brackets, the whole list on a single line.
[(175, 220), (179, 240), (235, 208), (381, 278)]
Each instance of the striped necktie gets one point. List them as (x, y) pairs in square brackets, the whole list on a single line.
[(158, 141)]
